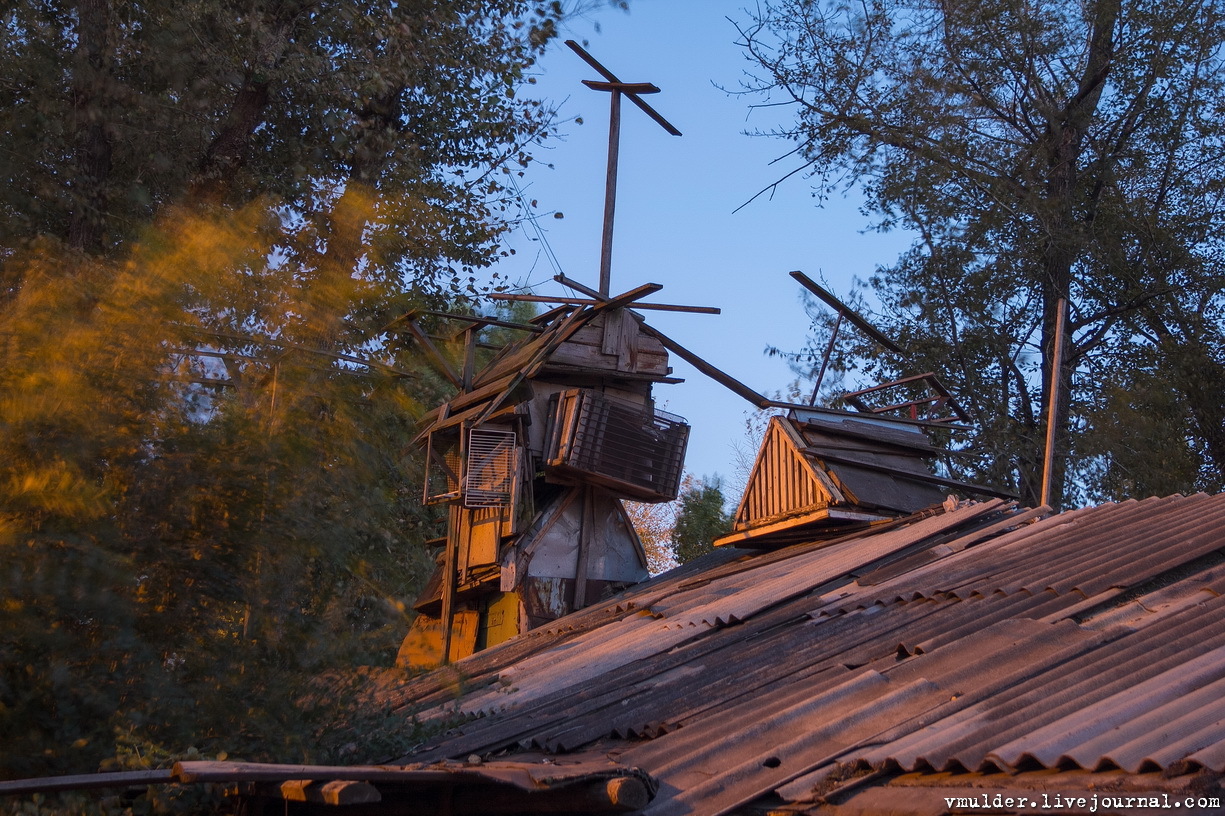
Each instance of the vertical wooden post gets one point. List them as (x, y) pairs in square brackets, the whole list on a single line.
[(470, 338), (586, 533), (616, 87), (610, 192), (450, 570), (829, 350), (1048, 459)]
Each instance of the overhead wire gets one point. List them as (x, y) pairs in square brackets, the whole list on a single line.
[(533, 219)]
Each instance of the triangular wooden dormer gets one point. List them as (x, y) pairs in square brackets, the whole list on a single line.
[(823, 470), (783, 483)]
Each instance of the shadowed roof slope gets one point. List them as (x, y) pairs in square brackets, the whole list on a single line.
[(972, 639)]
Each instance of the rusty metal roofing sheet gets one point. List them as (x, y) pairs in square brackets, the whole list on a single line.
[(1095, 638)]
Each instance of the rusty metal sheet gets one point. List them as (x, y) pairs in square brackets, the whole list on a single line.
[(1022, 648)]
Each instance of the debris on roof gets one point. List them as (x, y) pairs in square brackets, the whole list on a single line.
[(968, 642)]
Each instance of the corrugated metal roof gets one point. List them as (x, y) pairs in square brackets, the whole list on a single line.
[(975, 639)]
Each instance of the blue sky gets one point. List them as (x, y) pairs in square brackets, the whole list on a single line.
[(676, 198)]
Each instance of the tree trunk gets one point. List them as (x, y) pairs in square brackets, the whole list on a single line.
[(90, 87)]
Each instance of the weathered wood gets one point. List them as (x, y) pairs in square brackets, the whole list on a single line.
[(721, 377), (332, 792), (927, 477), (449, 575), (780, 482), (610, 190), (586, 541), (485, 321), (120, 779), (624, 87), (465, 400), (444, 366), (613, 342), (611, 77), (779, 523), (572, 301), (858, 320)]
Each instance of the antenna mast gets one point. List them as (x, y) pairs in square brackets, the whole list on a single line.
[(616, 88)]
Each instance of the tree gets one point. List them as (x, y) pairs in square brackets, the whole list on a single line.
[(700, 518), (210, 216), (114, 113), (653, 523), (1040, 152)]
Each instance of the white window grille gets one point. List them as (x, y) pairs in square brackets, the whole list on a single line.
[(489, 476)]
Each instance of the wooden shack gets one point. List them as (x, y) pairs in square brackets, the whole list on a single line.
[(532, 457)]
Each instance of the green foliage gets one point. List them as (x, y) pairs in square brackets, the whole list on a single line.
[(1037, 151), (113, 113), (194, 523), (700, 518), (211, 216)]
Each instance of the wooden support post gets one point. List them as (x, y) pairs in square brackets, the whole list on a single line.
[(634, 91), (470, 337), (829, 350), (450, 570), (610, 191), (586, 534)]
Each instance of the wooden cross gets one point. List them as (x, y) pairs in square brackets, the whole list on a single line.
[(634, 91)]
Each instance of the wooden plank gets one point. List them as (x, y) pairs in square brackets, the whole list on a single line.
[(485, 321), (721, 377), (464, 400), (846, 311), (450, 568), (626, 298), (432, 351), (118, 779), (572, 301), (332, 792), (927, 477)]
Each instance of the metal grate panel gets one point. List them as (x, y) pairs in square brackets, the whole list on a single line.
[(490, 473), (621, 445)]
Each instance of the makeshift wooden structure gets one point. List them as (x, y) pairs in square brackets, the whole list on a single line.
[(821, 471), (535, 453), (532, 458)]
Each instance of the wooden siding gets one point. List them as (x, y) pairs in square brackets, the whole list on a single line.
[(782, 482)]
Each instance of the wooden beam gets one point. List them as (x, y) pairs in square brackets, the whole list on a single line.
[(917, 477), (268, 341), (858, 320), (118, 779), (485, 321), (719, 376), (572, 301), (434, 353), (626, 298), (332, 792), (623, 87), (450, 570), (578, 287), (611, 77)]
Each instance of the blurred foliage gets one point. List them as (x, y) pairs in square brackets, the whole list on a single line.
[(211, 217), (196, 522)]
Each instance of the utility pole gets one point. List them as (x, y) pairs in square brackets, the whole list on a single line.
[(617, 88)]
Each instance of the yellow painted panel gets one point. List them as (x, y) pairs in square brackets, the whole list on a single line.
[(422, 646), (501, 620)]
